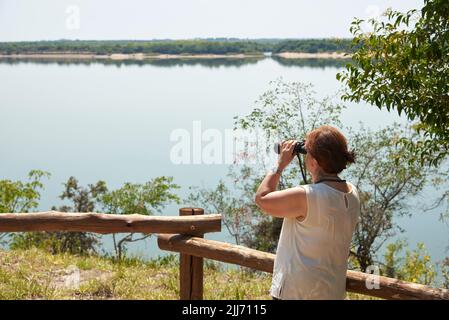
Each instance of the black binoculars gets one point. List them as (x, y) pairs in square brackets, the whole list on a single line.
[(299, 147)]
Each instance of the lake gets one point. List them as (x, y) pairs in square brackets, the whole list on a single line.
[(112, 121)]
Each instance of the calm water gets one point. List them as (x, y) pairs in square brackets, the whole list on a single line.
[(112, 121)]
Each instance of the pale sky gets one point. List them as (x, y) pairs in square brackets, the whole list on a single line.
[(24, 20)]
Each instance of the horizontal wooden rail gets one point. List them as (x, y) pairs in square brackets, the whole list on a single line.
[(108, 223), (389, 288)]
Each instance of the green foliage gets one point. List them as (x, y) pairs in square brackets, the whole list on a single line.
[(132, 47), (403, 65), (17, 196), (383, 196), (288, 110), (130, 199), (313, 45), (170, 260), (134, 198), (265, 234), (242, 218), (445, 273), (416, 266), (200, 46), (83, 200), (236, 206), (81, 243)]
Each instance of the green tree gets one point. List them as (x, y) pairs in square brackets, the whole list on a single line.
[(134, 198), (286, 110), (236, 206), (17, 196), (416, 266), (387, 179), (83, 200), (403, 65), (445, 273)]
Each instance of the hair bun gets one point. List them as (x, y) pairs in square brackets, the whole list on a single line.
[(350, 156)]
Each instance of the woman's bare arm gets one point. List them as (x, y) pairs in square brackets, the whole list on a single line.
[(285, 203), (288, 203)]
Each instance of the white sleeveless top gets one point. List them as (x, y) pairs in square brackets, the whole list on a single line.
[(312, 255)]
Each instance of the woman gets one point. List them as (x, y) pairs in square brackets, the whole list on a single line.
[(319, 219)]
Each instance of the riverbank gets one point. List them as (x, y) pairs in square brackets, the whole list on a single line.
[(124, 56), (141, 56)]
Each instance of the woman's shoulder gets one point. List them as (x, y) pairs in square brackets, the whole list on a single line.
[(326, 188), (354, 189)]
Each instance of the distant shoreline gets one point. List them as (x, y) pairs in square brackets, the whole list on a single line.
[(141, 56), (124, 56), (317, 55)]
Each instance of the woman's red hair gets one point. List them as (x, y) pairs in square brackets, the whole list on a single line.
[(330, 149)]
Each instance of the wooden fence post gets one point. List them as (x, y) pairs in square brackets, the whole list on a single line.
[(190, 268)]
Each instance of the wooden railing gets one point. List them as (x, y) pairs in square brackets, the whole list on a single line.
[(108, 223), (184, 234), (389, 288)]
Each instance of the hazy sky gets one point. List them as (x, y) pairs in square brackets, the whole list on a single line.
[(179, 19)]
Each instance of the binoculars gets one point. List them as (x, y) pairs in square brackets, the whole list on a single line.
[(299, 147)]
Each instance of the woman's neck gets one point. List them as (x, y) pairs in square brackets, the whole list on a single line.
[(321, 175)]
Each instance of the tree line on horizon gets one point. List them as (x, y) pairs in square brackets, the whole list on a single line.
[(199, 46)]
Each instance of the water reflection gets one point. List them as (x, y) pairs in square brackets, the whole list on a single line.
[(208, 63), (314, 63)]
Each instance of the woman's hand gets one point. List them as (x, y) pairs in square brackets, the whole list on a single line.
[(286, 155)]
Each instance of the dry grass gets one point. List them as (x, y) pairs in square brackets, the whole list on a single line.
[(35, 274)]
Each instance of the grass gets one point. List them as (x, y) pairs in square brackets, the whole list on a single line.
[(36, 274)]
